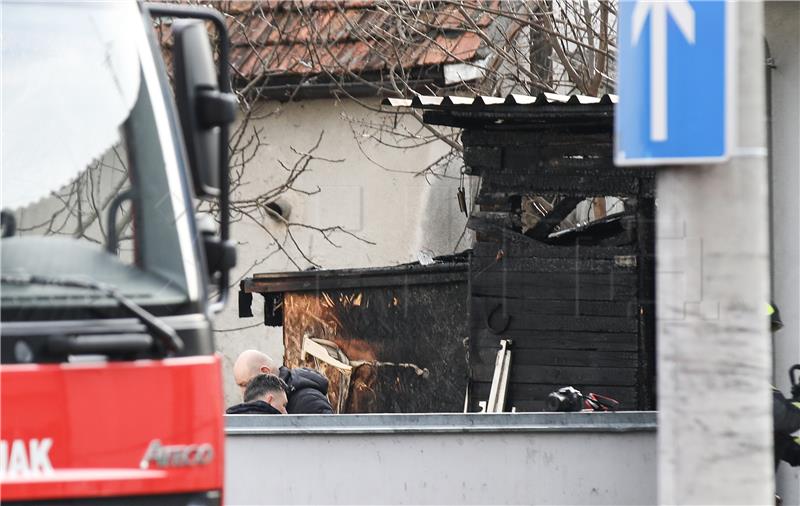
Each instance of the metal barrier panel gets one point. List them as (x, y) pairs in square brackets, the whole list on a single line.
[(527, 458)]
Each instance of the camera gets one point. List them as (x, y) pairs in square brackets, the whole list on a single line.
[(565, 399)]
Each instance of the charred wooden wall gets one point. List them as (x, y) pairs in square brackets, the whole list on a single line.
[(404, 326), (579, 308)]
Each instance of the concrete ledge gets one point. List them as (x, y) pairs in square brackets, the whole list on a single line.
[(628, 421)]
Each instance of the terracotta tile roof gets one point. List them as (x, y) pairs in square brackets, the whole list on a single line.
[(344, 37)]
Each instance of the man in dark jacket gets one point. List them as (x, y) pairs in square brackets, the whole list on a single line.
[(786, 420), (785, 412), (307, 388), (265, 395)]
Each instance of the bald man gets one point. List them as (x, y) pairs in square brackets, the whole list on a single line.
[(307, 388)]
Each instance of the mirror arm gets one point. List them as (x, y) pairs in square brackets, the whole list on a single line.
[(215, 108), (182, 11)]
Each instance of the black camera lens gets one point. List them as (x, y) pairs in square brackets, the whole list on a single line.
[(555, 402), (564, 399)]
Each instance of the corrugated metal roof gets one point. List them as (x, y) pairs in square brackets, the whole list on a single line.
[(512, 111), (434, 102)]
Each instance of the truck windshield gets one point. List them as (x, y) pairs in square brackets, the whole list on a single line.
[(86, 190)]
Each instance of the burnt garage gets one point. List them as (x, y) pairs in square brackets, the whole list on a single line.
[(561, 272)]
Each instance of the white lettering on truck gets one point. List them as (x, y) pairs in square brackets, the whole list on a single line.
[(25, 458), (177, 455)]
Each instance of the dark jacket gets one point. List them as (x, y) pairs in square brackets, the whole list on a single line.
[(307, 391), (786, 420), (252, 408)]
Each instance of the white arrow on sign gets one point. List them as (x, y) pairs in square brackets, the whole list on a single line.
[(659, 11)]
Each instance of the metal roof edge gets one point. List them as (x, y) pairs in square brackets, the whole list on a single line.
[(437, 423), (304, 281), (541, 99)]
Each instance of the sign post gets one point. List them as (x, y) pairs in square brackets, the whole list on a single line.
[(683, 104)]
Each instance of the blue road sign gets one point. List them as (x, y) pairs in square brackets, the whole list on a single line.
[(674, 82)]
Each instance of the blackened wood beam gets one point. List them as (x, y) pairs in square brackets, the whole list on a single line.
[(556, 215)]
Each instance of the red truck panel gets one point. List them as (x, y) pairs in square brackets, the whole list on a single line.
[(83, 430)]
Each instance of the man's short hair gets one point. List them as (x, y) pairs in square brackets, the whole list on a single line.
[(262, 385)]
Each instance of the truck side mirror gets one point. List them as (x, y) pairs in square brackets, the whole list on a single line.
[(203, 108), (206, 107)]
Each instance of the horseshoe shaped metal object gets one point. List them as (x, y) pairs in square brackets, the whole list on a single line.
[(504, 323)]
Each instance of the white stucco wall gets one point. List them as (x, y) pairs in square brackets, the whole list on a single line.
[(381, 200), (782, 28)]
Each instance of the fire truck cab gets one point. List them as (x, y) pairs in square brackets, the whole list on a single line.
[(115, 254)]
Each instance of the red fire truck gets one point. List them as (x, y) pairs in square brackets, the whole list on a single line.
[(110, 391)]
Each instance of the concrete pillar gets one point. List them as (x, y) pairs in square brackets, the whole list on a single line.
[(782, 32), (714, 362)]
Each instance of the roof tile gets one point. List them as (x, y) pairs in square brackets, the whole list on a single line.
[(451, 49), (340, 36)]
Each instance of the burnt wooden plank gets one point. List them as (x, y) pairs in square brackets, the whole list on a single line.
[(494, 234), (556, 215), (499, 219), (610, 376), (531, 137), (529, 181), (585, 292), (526, 166), (541, 340), (626, 308), (490, 162), (612, 233), (509, 205), (567, 185), (579, 151), (596, 162), (483, 156), (645, 213), (554, 166), (506, 200), (515, 245), (519, 286), (479, 264), (573, 280), (567, 166), (522, 118), (312, 282), (530, 321), (562, 167), (564, 357), (488, 230)]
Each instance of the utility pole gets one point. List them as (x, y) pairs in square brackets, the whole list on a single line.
[(714, 351)]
